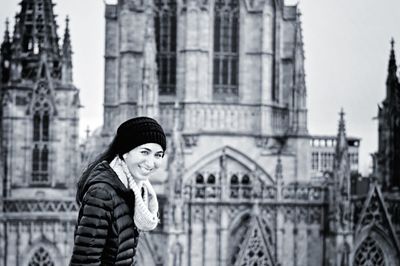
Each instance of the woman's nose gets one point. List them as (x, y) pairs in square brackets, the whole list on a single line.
[(150, 162)]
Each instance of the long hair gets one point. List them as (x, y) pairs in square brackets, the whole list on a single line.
[(108, 155)]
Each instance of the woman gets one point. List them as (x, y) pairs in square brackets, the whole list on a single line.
[(116, 198)]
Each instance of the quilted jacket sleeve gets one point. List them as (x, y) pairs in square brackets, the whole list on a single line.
[(92, 227)]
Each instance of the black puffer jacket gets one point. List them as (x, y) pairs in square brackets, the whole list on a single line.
[(105, 233)]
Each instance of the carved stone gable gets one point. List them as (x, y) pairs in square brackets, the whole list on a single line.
[(255, 248), (375, 214)]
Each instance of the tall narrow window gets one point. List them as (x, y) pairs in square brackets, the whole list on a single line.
[(226, 49), (45, 126), (36, 126), (41, 136), (165, 31), (35, 164), (44, 159)]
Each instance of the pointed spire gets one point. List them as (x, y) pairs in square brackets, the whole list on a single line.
[(392, 80), (341, 137), (392, 68), (17, 32), (67, 48), (38, 27), (341, 163), (6, 33)]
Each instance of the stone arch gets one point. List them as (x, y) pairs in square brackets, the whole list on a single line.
[(375, 239), (232, 153), (44, 251)]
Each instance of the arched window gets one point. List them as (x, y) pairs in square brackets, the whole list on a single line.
[(226, 49), (41, 258), (246, 186), (246, 180), (199, 179), (200, 187), (234, 180), (36, 126), (369, 253), (211, 179), (41, 135), (211, 189), (234, 187), (165, 32)]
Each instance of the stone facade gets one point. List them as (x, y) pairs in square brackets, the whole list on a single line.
[(39, 141), (237, 174)]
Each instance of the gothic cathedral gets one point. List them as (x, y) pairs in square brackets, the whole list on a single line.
[(39, 140), (226, 80)]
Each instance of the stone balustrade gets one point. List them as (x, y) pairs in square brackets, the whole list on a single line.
[(288, 193), (39, 205), (226, 118)]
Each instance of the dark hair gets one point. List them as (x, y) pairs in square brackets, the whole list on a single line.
[(108, 155), (130, 134)]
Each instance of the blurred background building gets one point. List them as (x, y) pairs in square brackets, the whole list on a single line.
[(242, 184)]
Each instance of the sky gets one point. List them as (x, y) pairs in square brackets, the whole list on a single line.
[(346, 43)]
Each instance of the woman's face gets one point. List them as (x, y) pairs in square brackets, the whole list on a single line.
[(143, 160)]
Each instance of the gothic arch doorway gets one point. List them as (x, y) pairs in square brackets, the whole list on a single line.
[(41, 257)]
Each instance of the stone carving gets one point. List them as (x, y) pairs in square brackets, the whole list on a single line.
[(195, 5), (197, 214), (190, 140), (40, 206), (136, 5)]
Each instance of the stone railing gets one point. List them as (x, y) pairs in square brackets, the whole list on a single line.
[(39, 205), (288, 193), (303, 192), (228, 118)]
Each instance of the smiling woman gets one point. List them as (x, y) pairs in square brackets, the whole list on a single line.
[(116, 197)]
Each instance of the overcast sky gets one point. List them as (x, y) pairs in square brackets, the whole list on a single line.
[(346, 44)]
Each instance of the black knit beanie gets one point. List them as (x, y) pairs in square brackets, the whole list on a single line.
[(138, 131)]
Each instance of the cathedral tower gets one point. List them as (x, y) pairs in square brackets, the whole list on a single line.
[(225, 78), (39, 138), (388, 155)]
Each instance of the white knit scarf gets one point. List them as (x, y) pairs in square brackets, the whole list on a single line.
[(146, 206)]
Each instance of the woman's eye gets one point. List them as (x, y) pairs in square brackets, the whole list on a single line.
[(158, 155), (144, 152)]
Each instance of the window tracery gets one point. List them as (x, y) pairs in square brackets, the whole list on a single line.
[(252, 249), (41, 135), (369, 254), (41, 258), (226, 48)]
